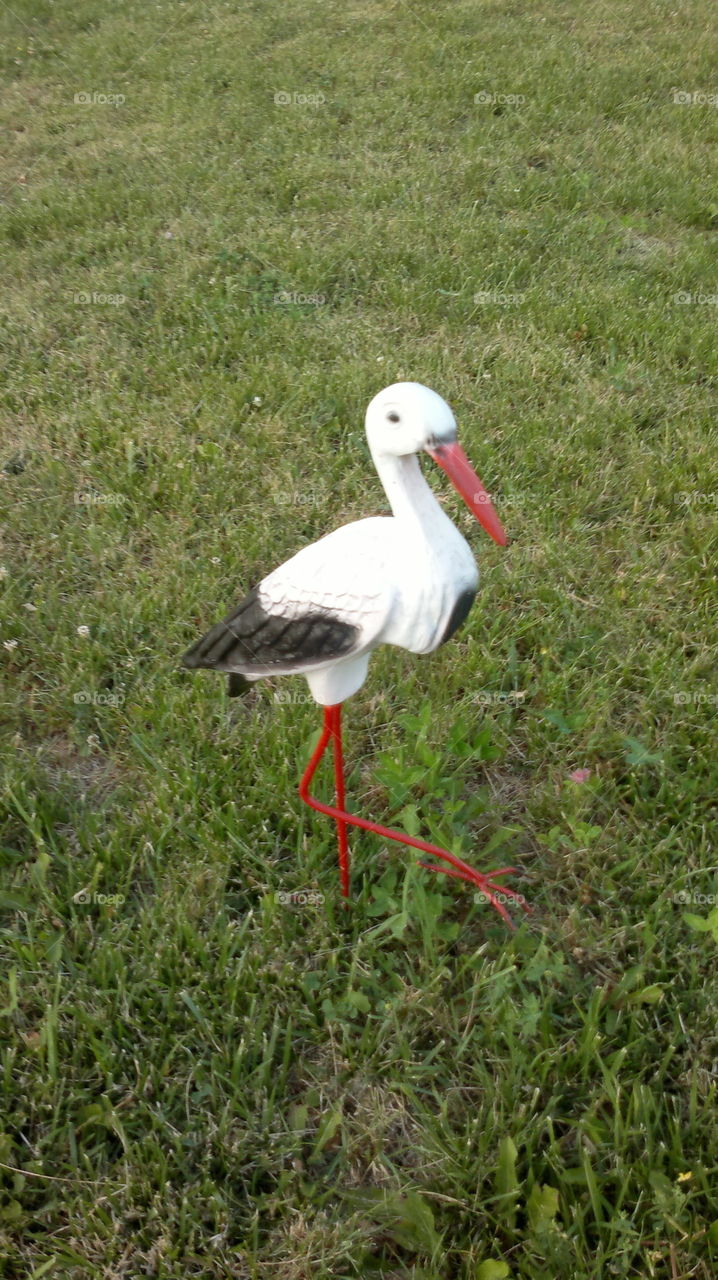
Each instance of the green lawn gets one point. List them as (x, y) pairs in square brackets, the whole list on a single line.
[(203, 286)]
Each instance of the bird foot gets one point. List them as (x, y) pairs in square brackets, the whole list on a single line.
[(495, 894)]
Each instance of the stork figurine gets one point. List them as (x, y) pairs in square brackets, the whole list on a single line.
[(408, 579)]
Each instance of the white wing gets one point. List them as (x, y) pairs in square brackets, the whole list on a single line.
[(346, 576), (329, 602)]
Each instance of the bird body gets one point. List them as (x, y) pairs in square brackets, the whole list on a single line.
[(407, 579)]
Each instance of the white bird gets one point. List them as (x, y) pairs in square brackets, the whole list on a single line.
[(408, 579)]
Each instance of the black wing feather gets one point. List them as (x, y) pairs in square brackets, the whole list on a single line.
[(253, 642)]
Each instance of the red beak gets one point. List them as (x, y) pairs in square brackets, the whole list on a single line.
[(452, 459)]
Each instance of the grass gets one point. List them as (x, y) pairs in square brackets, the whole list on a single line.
[(200, 1077)]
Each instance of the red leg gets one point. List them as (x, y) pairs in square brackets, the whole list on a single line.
[(336, 732), (331, 729), (457, 869)]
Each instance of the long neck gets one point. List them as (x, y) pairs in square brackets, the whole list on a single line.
[(410, 497)]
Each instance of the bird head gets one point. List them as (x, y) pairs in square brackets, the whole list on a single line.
[(407, 418)]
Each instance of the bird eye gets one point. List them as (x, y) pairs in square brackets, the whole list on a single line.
[(393, 416)]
